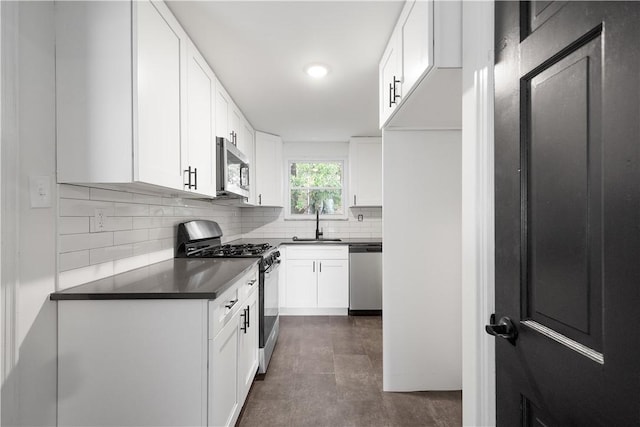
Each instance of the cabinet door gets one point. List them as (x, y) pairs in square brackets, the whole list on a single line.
[(223, 376), (249, 151), (200, 115), (235, 127), (222, 111), (365, 156), (269, 170), (159, 87), (248, 347), (333, 283), (301, 283), (417, 42), (390, 78)]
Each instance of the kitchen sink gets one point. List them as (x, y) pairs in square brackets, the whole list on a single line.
[(297, 239)]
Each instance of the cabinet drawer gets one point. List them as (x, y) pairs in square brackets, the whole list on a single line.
[(222, 309), (318, 252), (248, 284)]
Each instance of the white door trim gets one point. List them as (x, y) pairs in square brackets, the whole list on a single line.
[(9, 218), (478, 372)]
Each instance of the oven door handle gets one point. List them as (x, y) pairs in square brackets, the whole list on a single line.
[(273, 267)]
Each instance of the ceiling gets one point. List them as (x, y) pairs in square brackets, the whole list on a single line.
[(259, 49)]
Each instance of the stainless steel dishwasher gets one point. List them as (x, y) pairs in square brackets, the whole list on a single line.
[(365, 278)]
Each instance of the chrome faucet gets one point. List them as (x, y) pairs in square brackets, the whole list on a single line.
[(318, 232)]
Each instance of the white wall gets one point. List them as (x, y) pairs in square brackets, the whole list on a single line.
[(30, 376), (478, 398), (270, 222), (421, 260)]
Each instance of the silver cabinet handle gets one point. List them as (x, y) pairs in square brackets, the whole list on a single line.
[(259, 199), (314, 266), (251, 282), (320, 266), (354, 200), (231, 303)]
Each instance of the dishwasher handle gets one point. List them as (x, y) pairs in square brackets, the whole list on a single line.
[(356, 249)]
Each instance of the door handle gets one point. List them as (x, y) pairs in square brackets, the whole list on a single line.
[(505, 328)]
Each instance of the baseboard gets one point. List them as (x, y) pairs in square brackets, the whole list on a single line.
[(365, 312), (284, 311)]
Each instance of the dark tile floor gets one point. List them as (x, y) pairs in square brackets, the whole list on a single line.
[(327, 371)]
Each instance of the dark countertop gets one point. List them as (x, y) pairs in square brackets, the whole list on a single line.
[(277, 241), (177, 278)]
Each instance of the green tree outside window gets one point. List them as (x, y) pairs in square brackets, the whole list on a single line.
[(316, 186)]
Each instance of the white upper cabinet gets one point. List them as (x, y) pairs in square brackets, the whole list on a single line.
[(136, 102), (420, 71), (230, 122), (417, 52), (119, 81), (223, 100), (365, 171), (159, 66), (235, 127), (248, 148), (390, 75), (201, 154), (269, 170)]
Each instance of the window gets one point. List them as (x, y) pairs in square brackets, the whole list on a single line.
[(316, 185)]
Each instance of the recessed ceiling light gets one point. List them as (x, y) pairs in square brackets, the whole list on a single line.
[(316, 71)]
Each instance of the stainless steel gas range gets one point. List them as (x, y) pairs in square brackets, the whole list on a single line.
[(202, 239)]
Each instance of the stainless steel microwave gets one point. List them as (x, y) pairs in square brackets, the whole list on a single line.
[(232, 173)]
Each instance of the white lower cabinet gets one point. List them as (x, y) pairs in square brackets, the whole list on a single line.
[(317, 279), (223, 375), (333, 283), (301, 283), (155, 362), (248, 340), (233, 344)]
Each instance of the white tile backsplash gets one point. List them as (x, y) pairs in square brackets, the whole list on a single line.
[(71, 225), (71, 260), (130, 236), (270, 222), (141, 229)]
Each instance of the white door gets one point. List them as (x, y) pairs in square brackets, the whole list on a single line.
[(366, 171), (222, 112), (390, 79), (417, 42), (248, 150), (269, 169), (223, 375), (248, 348), (333, 283), (235, 127), (301, 283), (159, 155), (200, 131)]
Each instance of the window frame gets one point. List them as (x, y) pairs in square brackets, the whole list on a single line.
[(289, 216)]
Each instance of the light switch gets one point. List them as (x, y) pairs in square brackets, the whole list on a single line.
[(40, 191)]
